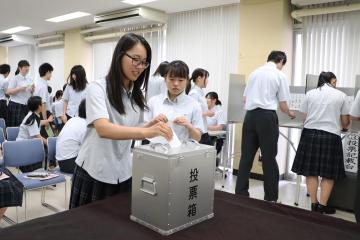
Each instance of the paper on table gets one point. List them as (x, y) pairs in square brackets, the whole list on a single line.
[(3, 176)]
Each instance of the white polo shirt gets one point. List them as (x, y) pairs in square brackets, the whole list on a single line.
[(41, 90), (197, 93), (70, 138), (28, 132), (3, 87), (74, 99), (183, 105), (355, 108), (323, 107), (20, 81), (218, 118), (266, 86), (106, 160), (156, 86)]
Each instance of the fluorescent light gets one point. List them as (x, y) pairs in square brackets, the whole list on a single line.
[(15, 29), (67, 17), (137, 2)]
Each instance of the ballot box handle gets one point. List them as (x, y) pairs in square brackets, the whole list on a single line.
[(147, 180)]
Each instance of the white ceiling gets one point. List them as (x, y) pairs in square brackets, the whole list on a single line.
[(32, 13)]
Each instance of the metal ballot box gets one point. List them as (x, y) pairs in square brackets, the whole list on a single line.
[(172, 189)]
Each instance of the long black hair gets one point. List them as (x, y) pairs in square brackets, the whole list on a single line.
[(115, 76), (199, 72), (33, 103), (78, 84), (213, 96), (161, 70), (325, 77), (58, 94)]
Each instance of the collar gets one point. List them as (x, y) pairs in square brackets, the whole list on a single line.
[(271, 64), (198, 89), (129, 92), (178, 99)]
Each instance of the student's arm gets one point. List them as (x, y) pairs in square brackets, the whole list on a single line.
[(193, 132), (218, 127), (159, 118), (285, 109), (106, 129), (42, 139), (345, 121), (13, 91), (63, 116)]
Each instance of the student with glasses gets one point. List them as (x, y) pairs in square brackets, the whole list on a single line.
[(114, 113)]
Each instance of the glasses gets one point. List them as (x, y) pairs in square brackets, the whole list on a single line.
[(137, 62)]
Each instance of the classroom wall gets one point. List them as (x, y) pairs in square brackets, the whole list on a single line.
[(265, 25), (3, 55)]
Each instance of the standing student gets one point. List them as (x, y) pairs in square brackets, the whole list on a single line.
[(217, 122), (74, 92), (267, 86), (114, 115), (4, 73), (41, 90), (175, 106), (200, 77), (20, 90), (355, 116), (58, 109), (320, 152), (30, 127), (70, 139), (157, 83)]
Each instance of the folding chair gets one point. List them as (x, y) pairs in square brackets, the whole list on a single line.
[(12, 133)]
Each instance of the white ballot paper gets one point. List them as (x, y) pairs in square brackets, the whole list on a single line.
[(174, 142)]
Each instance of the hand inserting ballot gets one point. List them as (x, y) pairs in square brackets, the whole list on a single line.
[(183, 121), (160, 129), (160, 118)]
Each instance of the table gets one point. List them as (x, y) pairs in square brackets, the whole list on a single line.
[(236, 217)]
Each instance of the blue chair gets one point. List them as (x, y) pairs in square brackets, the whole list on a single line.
[(12, 133), (26, 152), (3, 124), (2, 139)]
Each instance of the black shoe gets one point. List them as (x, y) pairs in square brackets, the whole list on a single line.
[(326, 209), (314, 207)]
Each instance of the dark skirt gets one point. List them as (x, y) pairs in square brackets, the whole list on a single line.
[(16, 114), (68, 165), (205, 139), (3, 109), (11, 191), (86, 189), (320, 154)]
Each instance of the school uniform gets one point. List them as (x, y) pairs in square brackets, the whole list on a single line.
[(156, 86), (355, 111), (217, 119), (266, 87), (11, 190), (320, 150), (29, 132), (17, 108), (182, 106), (104, 166), (74, 99), (41, 90), (3, 100), (58, 111), (198, 94), (69, 142)]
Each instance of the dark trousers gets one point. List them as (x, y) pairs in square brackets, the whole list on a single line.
[(205, 139), (357, 197), (260, 129), (67, 166), (3, 109)]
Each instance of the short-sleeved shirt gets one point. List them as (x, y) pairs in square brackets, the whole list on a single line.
[(266, 86), (107, 160), (183, 105), (70, 139), (324, 107), (218, 118), (20, 81), (41, 90), (355, 108), (197, 93), (3, 87), (74, 99), (28, 131), (156, 86)]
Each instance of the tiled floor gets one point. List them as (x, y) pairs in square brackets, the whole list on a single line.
[(56, 197)]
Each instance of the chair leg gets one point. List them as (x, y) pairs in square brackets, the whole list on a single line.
[(17, 215), (25, 206), (65, 205), (42, 196)]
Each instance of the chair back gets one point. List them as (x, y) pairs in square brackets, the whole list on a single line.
[(12, 133)]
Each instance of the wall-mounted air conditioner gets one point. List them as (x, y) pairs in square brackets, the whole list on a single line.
[(301, 3), (16, 40), (131, 17)]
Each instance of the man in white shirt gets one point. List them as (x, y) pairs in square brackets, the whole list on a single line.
[(4, 73), (266, 88)]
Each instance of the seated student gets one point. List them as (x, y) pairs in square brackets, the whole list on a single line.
[(70, 139), (30, 126), (175, 106), (58, 109), (216, 122), (11, 191)]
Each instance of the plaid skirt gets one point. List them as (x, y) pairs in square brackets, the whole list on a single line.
[(11, 191), (86, 189), (3, 109), (319, 153), (16, 114)]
